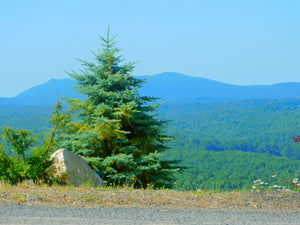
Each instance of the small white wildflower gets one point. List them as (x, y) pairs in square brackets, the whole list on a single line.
[(295, 180)]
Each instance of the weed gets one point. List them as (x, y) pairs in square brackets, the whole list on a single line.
[(90, 198), (21, 198)]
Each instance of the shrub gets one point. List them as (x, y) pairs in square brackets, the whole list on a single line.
[(21, 159)]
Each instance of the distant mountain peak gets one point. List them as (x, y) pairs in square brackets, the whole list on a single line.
[(169, 86)]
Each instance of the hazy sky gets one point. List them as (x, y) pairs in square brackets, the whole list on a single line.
[(237, 42)]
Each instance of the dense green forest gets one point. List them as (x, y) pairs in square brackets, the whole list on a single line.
[(226, 145), (262, 126), (235, 170), (25, 117)]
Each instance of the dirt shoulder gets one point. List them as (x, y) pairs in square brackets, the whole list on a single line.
[(60, 196)]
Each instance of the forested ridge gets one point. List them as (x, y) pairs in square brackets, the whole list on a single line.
[(226, 145), (25, 117)]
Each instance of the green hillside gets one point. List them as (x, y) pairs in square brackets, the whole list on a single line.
[(233, 170), (226, 145), (25, 117), (231, 144)]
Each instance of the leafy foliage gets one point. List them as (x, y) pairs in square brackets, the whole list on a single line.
[(114, 128), (22, 159), (22, 163)]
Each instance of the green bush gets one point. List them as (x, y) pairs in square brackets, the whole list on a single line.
[(20, 159)]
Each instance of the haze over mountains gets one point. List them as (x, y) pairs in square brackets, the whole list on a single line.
[(168, 86)]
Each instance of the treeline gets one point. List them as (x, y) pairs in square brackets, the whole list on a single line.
[(288, 150), (25, 117), (229, 170), (228, 145), (262, 126)]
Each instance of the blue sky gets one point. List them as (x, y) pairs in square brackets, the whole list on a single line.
[(236, 42)]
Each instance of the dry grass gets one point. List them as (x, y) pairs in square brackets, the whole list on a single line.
[(61, 196)]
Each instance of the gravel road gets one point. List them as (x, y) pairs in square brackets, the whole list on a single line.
[(24, 214)]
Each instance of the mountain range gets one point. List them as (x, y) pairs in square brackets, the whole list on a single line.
[(168, 86)]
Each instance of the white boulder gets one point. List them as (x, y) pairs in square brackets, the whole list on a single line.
[(72, 169)]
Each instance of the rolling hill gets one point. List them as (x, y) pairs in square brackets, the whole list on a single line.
[(168, 86)]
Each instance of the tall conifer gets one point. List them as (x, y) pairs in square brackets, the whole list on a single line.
[(115, 128)]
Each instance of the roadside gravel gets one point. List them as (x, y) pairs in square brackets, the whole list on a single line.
[(32, 214), (29, 204)]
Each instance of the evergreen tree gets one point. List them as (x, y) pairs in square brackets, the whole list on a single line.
[(114, 128)]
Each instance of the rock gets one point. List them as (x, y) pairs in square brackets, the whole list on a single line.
[(72, 169), (29, 182), (33, 198)]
